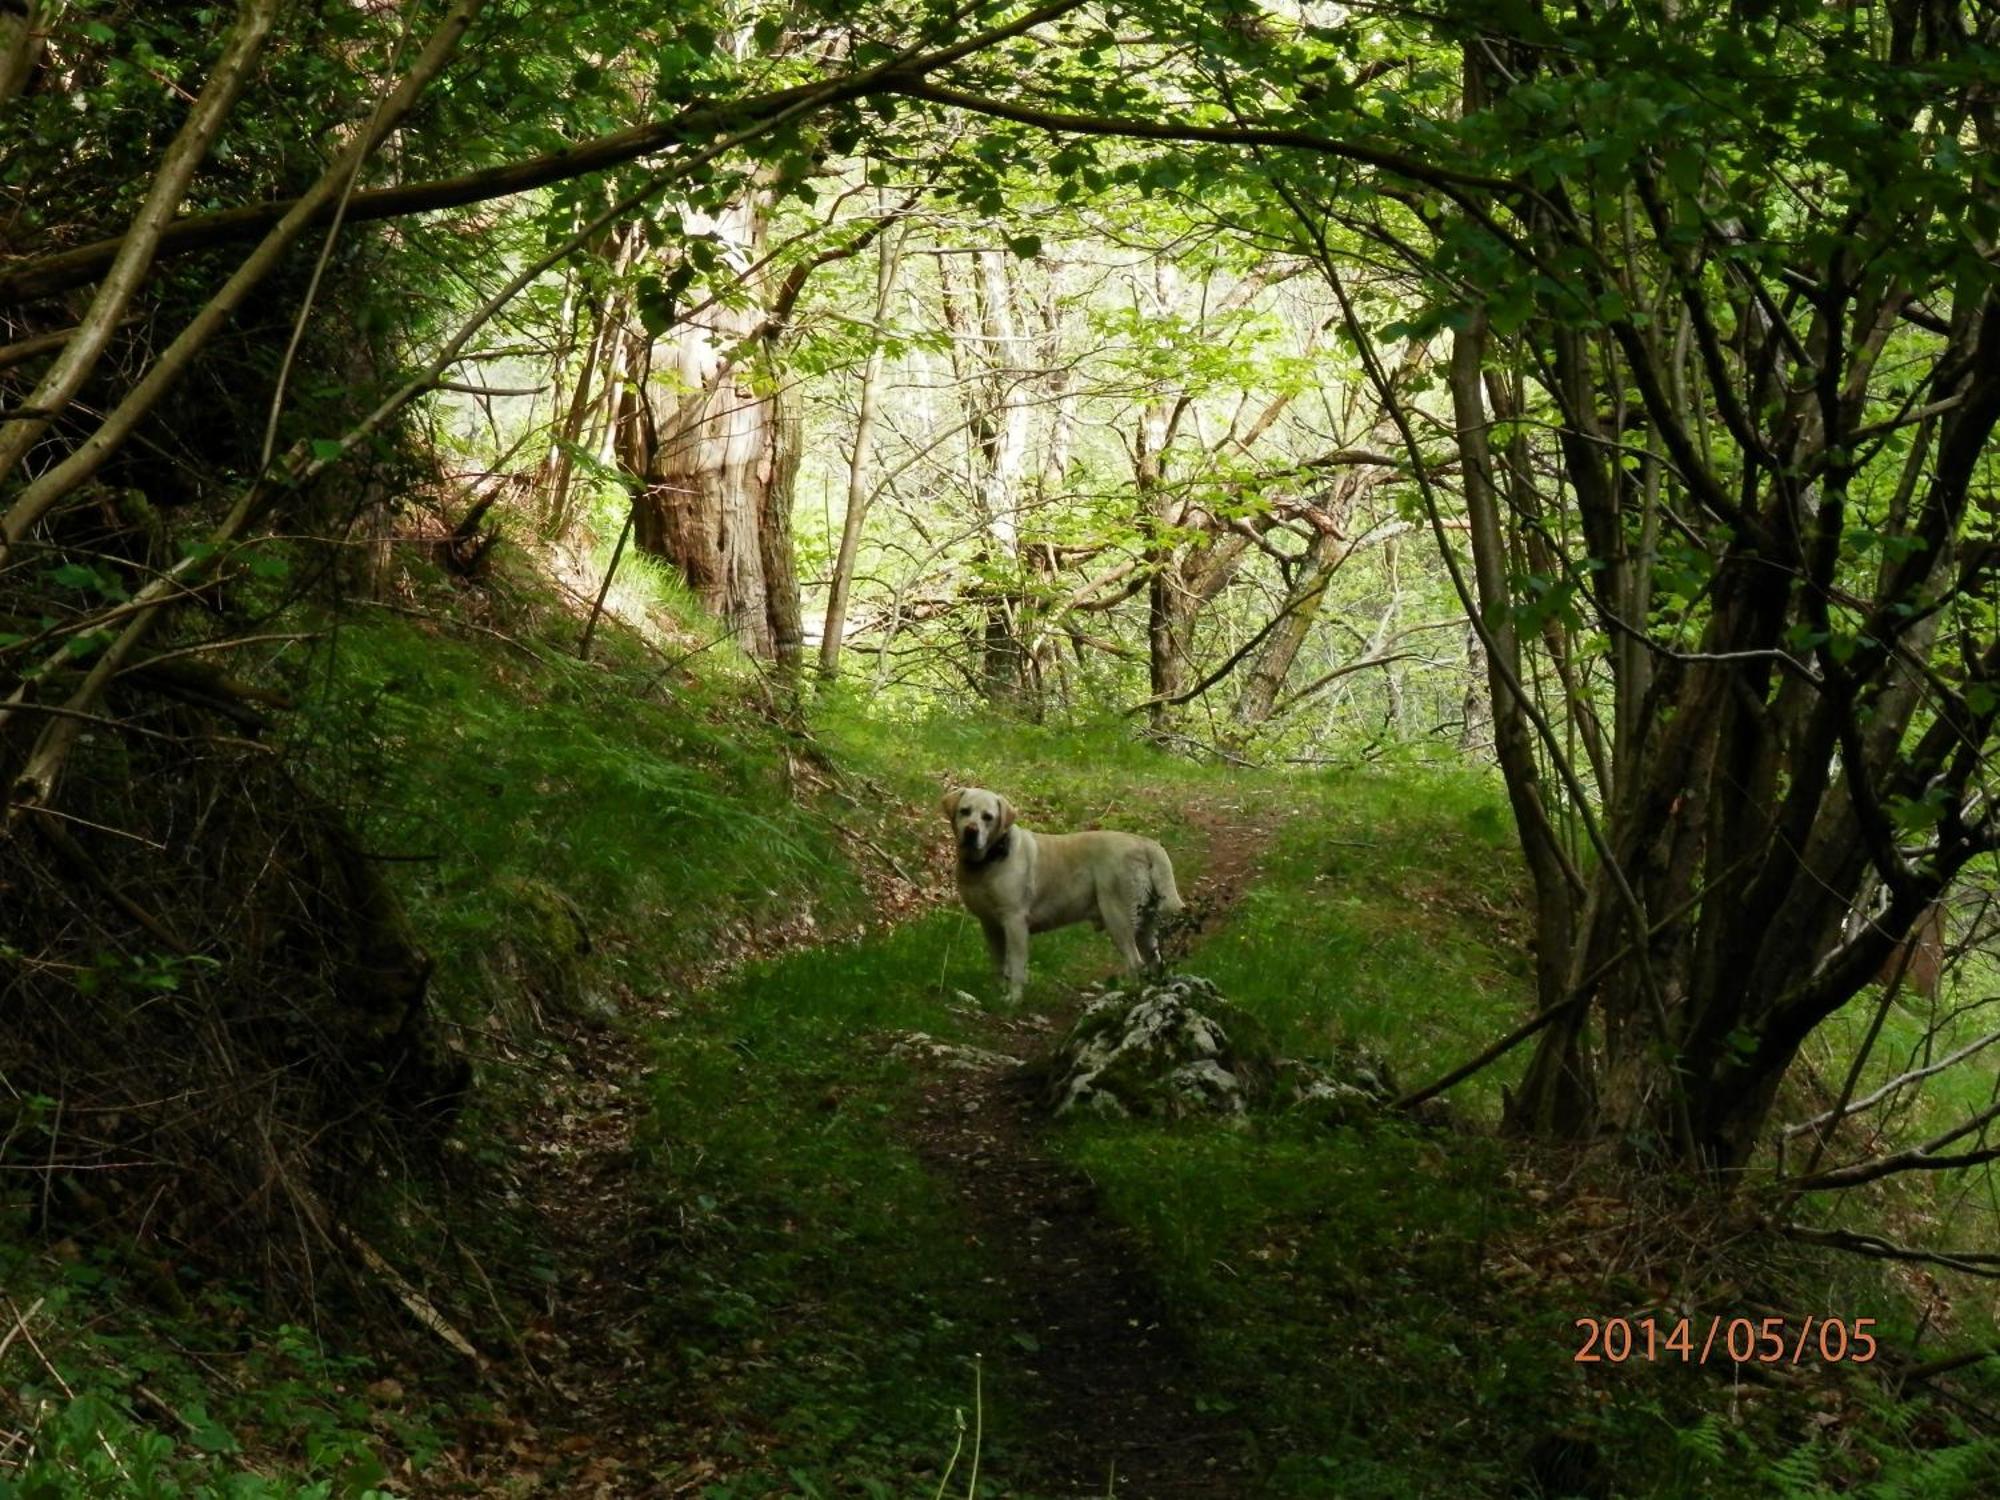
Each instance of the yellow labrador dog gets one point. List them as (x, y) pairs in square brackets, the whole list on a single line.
[(1016, 883)]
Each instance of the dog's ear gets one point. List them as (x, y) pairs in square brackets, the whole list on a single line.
[(950, 803), (1006, 817)]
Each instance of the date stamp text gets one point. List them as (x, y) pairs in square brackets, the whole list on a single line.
[(1743, 1341)]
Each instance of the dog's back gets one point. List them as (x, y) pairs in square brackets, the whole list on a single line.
[(1072, 869)]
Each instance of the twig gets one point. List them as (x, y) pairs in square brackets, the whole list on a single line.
[(1890, 992), (1972, 1262), (20, 1323), (228, 644), (604, 588), (420, 1307), (1834, 1116), (425, 614), (371, 137), (1943, 1366), (1575, 997), (1912, 1159), (1493, 1053), (21, 1327), (74, 855)]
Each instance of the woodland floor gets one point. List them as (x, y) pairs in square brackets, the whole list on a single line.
[(1117, 1380), (1116, 1383)]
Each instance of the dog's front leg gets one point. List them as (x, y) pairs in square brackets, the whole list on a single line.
[(996, 946), (1014, 960)]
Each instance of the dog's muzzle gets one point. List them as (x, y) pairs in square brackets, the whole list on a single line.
[(968, 841)]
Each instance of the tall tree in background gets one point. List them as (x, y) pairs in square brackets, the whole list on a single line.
[(714, 444)]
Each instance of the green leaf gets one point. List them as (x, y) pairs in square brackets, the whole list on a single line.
[(1027, 246)]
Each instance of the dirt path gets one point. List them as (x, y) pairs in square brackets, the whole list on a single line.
[(1117, 1382)]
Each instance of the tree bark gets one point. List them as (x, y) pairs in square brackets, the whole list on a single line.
[(24, 30), (716, 452)]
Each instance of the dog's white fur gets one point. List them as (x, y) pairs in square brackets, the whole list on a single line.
[(1119, 882)]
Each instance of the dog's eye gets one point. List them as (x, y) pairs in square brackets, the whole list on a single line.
[(986, 817)]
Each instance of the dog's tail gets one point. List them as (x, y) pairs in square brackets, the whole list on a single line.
[(1162, 875)]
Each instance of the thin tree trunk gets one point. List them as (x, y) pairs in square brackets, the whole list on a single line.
[(24, 30), (592, 396), (1266, 678), (1561, 1084), (986, 366), (860, 460), (50, 488), (1000, 481), (52, 394)]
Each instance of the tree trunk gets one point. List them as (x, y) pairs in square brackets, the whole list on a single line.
[(860, 459), (1330, 547), (1555, 1093), (1281, 647), (716, 452), (24, 29), (992, 387), (595, 398)]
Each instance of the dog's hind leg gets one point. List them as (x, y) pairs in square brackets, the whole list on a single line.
[(1121, 923), (1149, 934)]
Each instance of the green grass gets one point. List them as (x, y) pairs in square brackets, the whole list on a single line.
[(825, 1303), (570, 835), (1387, 912)]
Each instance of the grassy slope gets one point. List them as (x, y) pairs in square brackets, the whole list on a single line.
[(813, 1307), (1343, 1288)]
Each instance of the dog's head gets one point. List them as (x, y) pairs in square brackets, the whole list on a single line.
[(979, 819)]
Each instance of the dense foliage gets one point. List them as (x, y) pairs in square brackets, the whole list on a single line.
[(1604, 394)]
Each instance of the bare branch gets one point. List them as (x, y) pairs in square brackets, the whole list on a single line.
[(1903, 1080), (1921, 1158), (1973, 1262)]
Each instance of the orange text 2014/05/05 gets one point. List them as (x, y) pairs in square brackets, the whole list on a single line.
[(1743, 1341)]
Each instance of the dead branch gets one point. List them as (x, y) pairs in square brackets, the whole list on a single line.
[(1973, 1262), (1902, 1080), (134, 258), (1921, 1158), (20, 1323), (78, 859)]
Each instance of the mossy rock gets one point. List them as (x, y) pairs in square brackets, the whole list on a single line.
[(1176, 1049), (1353, 1085), (540, 958)]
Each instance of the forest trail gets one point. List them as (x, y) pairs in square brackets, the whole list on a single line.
[(1117, 1381), (1118, 1385)]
